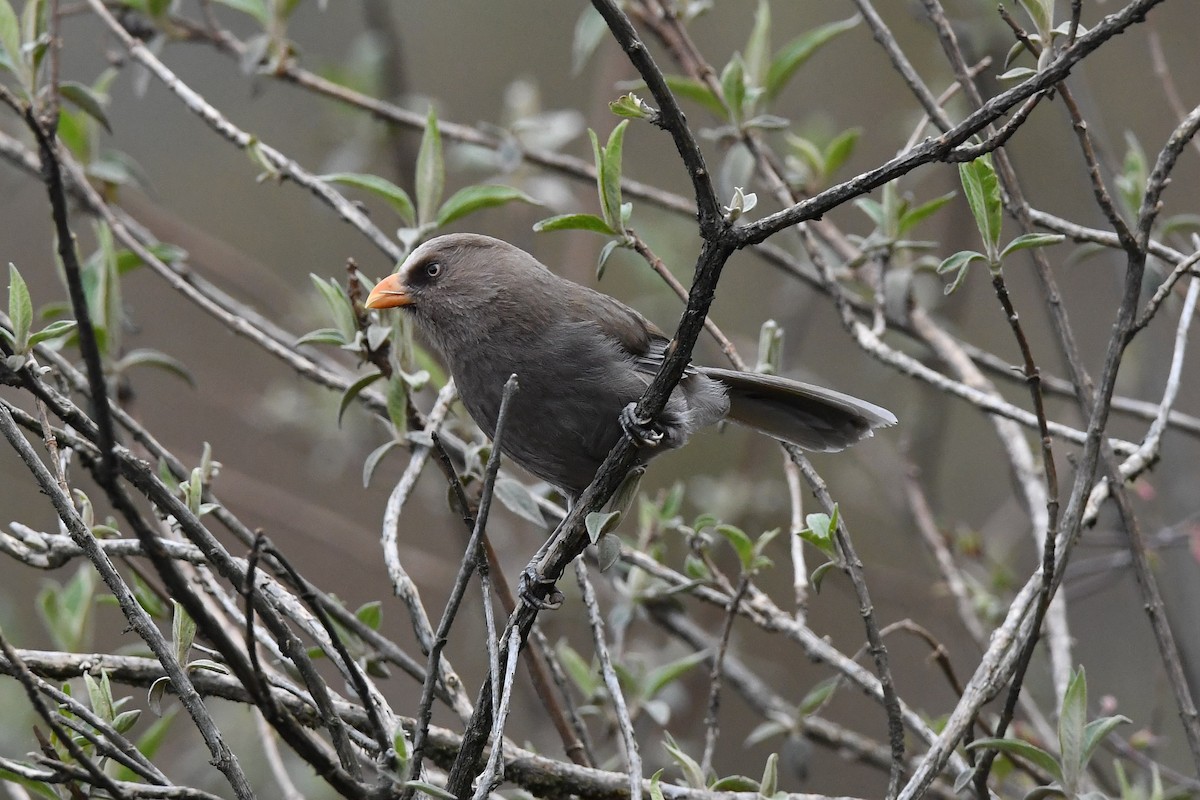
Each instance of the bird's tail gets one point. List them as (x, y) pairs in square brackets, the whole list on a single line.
[(805, 415)]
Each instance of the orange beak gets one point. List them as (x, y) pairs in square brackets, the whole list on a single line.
[(389, 293)]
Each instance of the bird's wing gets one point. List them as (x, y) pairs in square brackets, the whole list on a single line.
[(636, 335)]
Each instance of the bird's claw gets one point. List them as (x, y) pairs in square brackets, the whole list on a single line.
[(530, 586), (643, 433)]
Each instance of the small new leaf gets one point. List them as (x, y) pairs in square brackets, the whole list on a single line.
[(958, 264), (819, 532), (632, 107)]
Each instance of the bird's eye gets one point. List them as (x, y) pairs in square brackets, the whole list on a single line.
[(433, 269)]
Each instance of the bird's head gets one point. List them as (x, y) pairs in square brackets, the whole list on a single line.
[(460, 285)]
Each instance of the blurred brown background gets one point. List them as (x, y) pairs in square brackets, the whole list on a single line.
[(289, 469)]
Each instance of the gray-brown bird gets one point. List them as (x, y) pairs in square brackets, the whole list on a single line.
[(583, 360)]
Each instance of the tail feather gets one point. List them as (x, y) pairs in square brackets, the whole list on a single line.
[(808, 416)]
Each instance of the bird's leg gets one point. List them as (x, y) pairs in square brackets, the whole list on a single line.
[(530, 587), (532, 580), (642, 432)]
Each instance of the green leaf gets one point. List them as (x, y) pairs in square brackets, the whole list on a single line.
[(372, 460), (819, 533), (656, 792), (352, 391), (65, 609), (430, 789), (913, 216), (740, 542), (1017, 74), (1094, 733), (839, 149), (144, 357), (339, 306), (10, 43), (660, 678), (397, 404), (982, 191), (473, 198), (818, 574), (322, 336), (609, 168), (688, 765), (590, 30), (381, 187), (608, 551), (819, 694), (1072, 719), (1021, 749), (574, 222), (874, 210), (126, 719), (733, 87), (793, 55), (958, 264), (431, 172), (517, 498), (87, 101), (183, 632), (602, 259), (100, 696), (1041, 12), (149, 743), (697, 91), (370, 614), (54, 330), (583, 674), (1028, 240), (255, 8), (598, 523), (631, 106), (769, 784), (20, 307), (735, 783), (758, 52)]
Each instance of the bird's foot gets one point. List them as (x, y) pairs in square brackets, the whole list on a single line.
[(538, 591), (642, 432)]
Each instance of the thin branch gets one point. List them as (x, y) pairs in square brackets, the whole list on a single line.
[(633, 759), (466, 568)]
